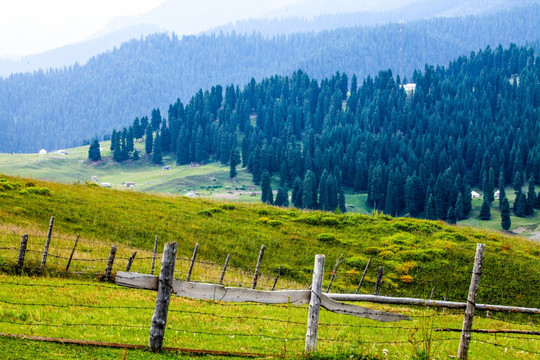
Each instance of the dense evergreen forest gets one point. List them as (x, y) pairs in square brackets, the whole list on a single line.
[(61, 108), (474, 123)]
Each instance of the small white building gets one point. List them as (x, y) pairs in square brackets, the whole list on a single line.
[(166, 168), (107, 185), (62, 152), (190, 195), (497, 194), (128, 184), (42, 152), (409, 87), (474, 194)]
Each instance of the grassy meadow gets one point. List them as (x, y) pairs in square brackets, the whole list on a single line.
[(418, 256)]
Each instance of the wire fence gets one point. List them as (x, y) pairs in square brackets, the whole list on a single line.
[(246, 326)]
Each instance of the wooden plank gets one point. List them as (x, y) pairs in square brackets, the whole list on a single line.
[(358, 311), (224, 269), (154, 256), (188, 278), (257, 268), (137, 281), (22, 252), (221, 293), (314, 305), (465, 340), (432, 303), (72, 253), (363, 276)]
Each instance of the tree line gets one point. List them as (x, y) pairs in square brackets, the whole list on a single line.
[(418, 153)]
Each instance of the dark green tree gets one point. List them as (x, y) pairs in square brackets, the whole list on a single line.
[(341, 200), (458, 209), (282, 197), (267, 196), (113, 139), (149, 141), (451, 215), (136, 155), (156, 119), (234, 161), (130, 143), (520, 204), (94, 153), (157, 158), (430, 208), (485, 211), (517, 181), (505, 214), (138, 131), (309, 191), (117, 152), (297, 192), (531, 198)]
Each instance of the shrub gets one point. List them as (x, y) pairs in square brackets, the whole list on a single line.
[(39, 191), (228, 207), (373, 250), (30, 184), (264, 219), (328, 238), (406, 279), (386, 254), (263, 212), (274, 223), (406, 267), (205, 213), (215, 210), (329, 221), (356, 262)]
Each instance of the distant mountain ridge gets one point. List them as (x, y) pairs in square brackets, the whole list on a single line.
[(61, 108), (245, 16)]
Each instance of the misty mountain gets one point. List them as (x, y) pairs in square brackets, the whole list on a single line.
[(62, 108)]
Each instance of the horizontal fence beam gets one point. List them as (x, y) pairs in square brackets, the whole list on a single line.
[(493, 331), (432, 303), (221, 293)]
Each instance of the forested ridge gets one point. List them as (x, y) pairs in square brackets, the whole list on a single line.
[(61, 108), (474, 123)]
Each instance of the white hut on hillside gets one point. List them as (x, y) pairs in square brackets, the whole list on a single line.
[(42, 152), (474, 194), (497, 194)]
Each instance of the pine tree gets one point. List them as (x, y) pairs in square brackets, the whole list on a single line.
[(309, 191), (234, 160), (94, 153), (136, 155), (113, 139), (389, 200), (156, 119), (458, 209), (156, 155), (485, 213), (138, 132), (505, 214), (297, 192), (267, 196), (117, 152), (323, 192), (430, 208), (502, 190), (282, 197), (149, 142), (341, 200), (520, 204), (531, 198), (130, 140), (517, 181), (451, 215)]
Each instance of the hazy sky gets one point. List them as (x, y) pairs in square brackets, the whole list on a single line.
[(32, 26)]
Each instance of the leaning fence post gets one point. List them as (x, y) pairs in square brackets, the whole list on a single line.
[(154, 257), (192, 262), (22, 252), (110, 263), (378, 284), (314, 305), (72, 252), (471, 303), (334, 271), (363, 276), (224, 269), (277, 277), (130, 261), (47, 243), (256, 275), (159, 319)]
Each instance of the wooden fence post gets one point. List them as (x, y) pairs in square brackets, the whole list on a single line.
[(363, 276), (110, 263), (130, 261), (257, 269), (72, 252), (334, 271), (154, 257), (22, 252), (192, 262), (224, 269), (471, 303), (378, 284), (277, 277), (314, 305), (159, 319), (47, 243)]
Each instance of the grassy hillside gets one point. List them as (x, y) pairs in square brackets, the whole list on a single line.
[(417, 255), (210, 181)]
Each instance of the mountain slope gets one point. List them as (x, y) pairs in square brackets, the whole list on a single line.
[(61, 108)]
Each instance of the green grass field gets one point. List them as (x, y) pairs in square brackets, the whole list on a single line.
[(417, 256)]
